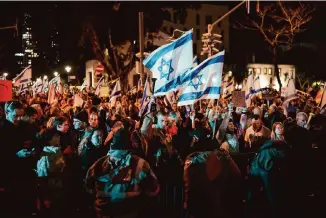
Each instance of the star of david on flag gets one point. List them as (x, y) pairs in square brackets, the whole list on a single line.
[(165, 68), (198, 83), (203, 81), (169, 63)]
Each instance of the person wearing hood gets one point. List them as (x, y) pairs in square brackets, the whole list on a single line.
[(212, 181), (121, 181)]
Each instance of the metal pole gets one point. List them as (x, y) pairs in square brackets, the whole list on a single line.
[(229, 12), (141, 45)]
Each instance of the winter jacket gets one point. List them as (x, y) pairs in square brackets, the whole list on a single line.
[(121, 181)]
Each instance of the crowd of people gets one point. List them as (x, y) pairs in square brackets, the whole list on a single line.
[(61, 158)]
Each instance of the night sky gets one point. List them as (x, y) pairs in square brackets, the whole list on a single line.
[(69, 17)]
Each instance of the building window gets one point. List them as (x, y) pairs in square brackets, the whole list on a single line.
[(208, 19), (198, 34), (257, 71), (269, 71), (197, 19), (265, 71), (195, 48)]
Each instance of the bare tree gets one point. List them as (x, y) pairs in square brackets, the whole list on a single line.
[(278, 23), (304, 82), (118, 60)]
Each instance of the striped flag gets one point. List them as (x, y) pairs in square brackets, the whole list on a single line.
[(170, 62), (45, 87), (56, 82), (24, 77), (37, 87), (145, 101), (84, 85), (99, 85), (115, 93), (250, 90), (195, 61), (203, 81)]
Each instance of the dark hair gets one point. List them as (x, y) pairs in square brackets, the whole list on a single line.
[(13, 105), (59, 121), (47, 135), (256, 117), (30, 111), (93, 110)]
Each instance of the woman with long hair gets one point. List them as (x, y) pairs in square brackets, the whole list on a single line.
[(277, 131)]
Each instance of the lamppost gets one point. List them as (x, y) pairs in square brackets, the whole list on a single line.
[(68, 69)]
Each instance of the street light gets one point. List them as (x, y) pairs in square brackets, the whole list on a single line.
[(45, 77), (56, 73), (5, 74), (68, 69)]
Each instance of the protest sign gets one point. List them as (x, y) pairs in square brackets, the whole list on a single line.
[(5, 90)]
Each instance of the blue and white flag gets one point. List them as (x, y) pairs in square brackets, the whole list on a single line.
[(257, 84), (204, 81), (145, 101), (116, 92), (228, 87), (84, 85), (99, 86), (56, 82), (250, 89), (37, 87), (195, 61), (45, 87), (24, 77), (170, 61), (23, 88)]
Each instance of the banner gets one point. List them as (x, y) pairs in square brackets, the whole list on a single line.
[(5, 90)]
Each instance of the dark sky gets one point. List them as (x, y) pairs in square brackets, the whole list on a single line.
[(69, 17)]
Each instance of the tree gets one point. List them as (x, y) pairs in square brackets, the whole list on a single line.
[(114, 47), (278, 23), (304, 82)]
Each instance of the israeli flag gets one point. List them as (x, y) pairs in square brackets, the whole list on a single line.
[(195, 61), (55, 81), (24, 77), (116, 92), (99, 86), (145, 101), (84, 85), (170, 61), (204, 81), (250, 89)]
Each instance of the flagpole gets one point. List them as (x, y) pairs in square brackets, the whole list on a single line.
[(141, 45)]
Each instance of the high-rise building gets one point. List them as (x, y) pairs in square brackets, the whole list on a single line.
[(53, 55), (28, 52)]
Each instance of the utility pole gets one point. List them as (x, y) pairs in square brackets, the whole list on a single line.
[(141, 46)]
